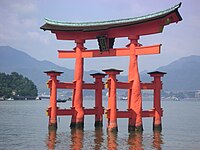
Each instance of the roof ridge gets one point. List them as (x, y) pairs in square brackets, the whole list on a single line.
[(97, 23)]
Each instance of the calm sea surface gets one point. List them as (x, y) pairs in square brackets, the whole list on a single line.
[(24, 125)]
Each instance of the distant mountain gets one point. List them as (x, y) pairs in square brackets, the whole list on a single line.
[(182, 74), (12, 60)]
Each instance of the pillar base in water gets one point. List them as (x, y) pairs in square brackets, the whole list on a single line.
[(77, 125), (157, 127), (135, 128), (113, 129), (98, 124), (53, 126)]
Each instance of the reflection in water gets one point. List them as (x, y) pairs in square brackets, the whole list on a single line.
[(76, 139), (157, 140), (135, 141), (100, 139), (51, 139), (112, 140)]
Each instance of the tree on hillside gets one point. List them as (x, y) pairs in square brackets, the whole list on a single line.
[(15, 85)]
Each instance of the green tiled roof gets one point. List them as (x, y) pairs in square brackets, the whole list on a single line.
[(75, 26)]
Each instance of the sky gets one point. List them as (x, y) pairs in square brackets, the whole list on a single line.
[(20, 22)]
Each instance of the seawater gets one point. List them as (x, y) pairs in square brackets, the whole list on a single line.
[(24, 125)]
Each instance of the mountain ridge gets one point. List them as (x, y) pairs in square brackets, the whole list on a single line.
[(182, 74), (29, 66)]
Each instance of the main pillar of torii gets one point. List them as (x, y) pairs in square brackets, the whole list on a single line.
[(134, 95), (106, 32), (78, 118)]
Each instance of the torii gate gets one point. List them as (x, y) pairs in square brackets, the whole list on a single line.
[(106, 32)]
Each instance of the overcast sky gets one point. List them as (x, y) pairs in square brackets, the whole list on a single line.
[(20, 22)]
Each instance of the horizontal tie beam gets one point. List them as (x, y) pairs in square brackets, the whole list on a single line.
[(92, 86), (143, 50), (69, 85), (147, 86)]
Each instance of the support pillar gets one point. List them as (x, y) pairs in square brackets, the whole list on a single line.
[(112, 107), (53, 99), (78, 118), (73, 118), (98, 98), (157, 124), (134, 94)]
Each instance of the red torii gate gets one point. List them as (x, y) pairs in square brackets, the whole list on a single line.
[(106, 32)]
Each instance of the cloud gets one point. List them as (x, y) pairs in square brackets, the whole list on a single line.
[(24, 7), (19, 22), (43, 38), (17, 13)]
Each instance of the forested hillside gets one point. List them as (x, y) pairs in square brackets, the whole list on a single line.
[(15, 85)]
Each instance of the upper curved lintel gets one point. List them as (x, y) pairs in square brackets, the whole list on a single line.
[(102, 25)]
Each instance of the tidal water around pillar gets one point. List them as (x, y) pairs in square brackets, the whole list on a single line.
[(24, 125)]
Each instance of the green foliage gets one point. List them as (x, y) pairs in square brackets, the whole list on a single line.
[(15, 85)]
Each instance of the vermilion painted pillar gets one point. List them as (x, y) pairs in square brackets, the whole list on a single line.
[(157, 124), (78, 118), (73, 119), (98, 98), (135, 96), (112, 108), (53, 99)]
